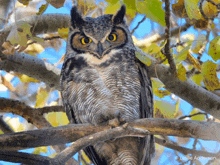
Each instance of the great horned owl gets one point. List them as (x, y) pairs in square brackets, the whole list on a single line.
[(101, 79)]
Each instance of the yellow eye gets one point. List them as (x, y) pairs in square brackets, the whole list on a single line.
[(112, 37), (86, 40)]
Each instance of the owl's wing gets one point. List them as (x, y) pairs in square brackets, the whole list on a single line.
[(146, 111), (68, 66)]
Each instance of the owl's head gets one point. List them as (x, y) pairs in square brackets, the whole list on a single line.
[(99, 36)]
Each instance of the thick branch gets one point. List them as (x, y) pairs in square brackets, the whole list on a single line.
[(48, 23), (70, 133), (33, 67), (32, 115)]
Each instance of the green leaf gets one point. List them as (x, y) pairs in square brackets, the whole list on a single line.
[(192, 9), (153, 10), (39, 150), (130, 7), (210, 78), (168, 110), (214, 48), (181, 72), (42, 9), (181, 55), (112, 8), (197, 117), (144, 59), (197, 78)]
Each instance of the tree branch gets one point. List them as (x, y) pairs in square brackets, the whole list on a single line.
[(32, 115), (159, 37), (167, 51), (187, 90), (184, 150), (33, 67), (70, 133)]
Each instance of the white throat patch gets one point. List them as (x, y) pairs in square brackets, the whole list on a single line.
[(91, 59)]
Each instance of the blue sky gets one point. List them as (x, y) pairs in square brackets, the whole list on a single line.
[(53, 56)]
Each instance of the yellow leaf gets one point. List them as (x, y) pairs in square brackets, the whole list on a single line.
[(144, 59), (41, 98), (197, 117), (52, 119), (39, 150), (24, 2), (166, 109), (112, 8), (194, 61), (19, 33), (192, 9), (7, 83), (62, 118), (15, 124), (42, 9), (63, 32), (181, 72), (197, 78), (209, 9), (179, 9), (198, 43), (56, 3), (26, 79), (181, 55), (214, 48), (34, 49), (210, 78)]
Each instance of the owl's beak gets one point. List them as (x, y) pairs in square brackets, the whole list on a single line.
[(99, 49)]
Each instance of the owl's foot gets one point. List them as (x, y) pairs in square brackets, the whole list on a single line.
[(117, 121)]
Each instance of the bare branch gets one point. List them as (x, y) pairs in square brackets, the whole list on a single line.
[(26, 158), (32, 67), (184, 150), (143, 19), (70, 133), (167, 51), (159, 37)]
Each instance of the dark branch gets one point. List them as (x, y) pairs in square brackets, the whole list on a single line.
[(143, 19), (70, 133), (167, 34)]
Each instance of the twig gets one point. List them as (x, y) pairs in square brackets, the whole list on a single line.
[(184, 150), (167, 34), (198, 113), (143, 19)]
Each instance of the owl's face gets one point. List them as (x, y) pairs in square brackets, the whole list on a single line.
[(97, 37)]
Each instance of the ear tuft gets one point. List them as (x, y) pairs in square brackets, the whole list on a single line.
[(76, 18), (119, 15)]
